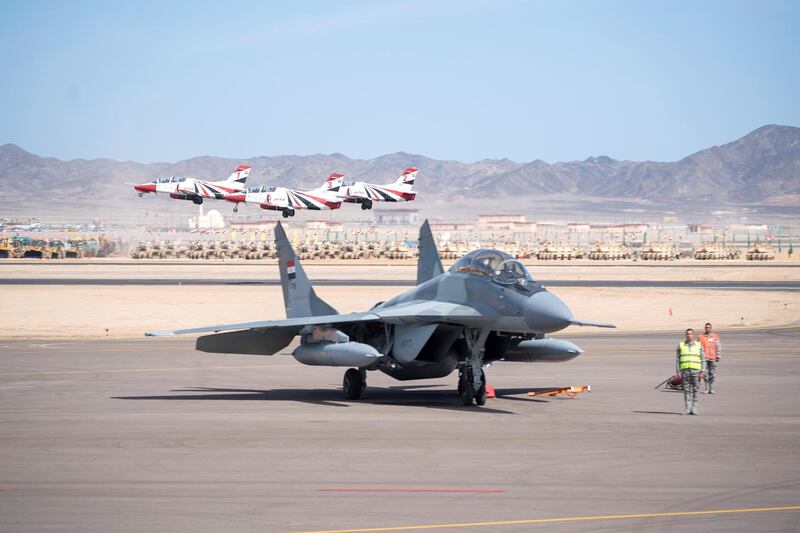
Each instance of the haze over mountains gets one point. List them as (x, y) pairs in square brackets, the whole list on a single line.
[(760, 169)]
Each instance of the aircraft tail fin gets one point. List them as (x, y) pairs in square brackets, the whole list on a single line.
[(406, 179), (299, 297), (333, 183), (429, 265), (239, 176)]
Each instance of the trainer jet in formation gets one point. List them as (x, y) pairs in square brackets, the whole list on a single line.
[(195, 189), (367, 193), (289, 200), (486, 308)]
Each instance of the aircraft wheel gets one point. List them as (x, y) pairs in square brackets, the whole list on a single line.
[(481, 394), (285, 214), (364, 207), (236, 209), (466, 390), (353, 384), (141, 194)]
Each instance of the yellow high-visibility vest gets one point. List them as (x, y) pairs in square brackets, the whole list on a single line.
[(690, 356)]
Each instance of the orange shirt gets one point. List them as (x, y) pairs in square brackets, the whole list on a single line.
[(710, 345)]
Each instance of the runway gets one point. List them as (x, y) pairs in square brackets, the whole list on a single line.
[(777, 285), (149, 435)]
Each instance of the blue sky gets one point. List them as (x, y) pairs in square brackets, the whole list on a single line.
[(465, 80)]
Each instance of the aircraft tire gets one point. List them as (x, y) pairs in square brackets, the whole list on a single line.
[(466, 390), (236, 209), (353, 384), (285, 214), (481, 394)]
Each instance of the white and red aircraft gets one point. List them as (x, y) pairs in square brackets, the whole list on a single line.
[(367, 193), (195, 189), (289, 200)]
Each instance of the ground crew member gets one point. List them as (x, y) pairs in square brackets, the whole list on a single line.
[(711, 348), (689, 362)]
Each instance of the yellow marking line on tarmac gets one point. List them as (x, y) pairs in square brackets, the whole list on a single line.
[(557, 520), (120, 370)]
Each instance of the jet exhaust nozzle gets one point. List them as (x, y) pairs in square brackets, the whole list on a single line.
[(542, 351), (352, 354), (546, 312)]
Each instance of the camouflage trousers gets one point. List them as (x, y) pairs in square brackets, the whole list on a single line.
[(691, 388), (711, 374)]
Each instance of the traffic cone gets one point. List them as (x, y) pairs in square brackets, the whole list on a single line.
[(490, 392)]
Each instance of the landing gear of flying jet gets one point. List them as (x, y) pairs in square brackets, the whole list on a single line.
[(288, 213), (236, 209), (355, 381), (141, 194), (197, 201), (366, 204)]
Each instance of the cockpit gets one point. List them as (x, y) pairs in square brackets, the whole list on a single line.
[(499, 266), (261, 188), (169, 179)]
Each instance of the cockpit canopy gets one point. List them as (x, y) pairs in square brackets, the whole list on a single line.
[(499, 266), (261, 188), (169, 179)]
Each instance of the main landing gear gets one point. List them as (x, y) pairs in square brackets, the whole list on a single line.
[(198, 200), (355, 381), (366, 204), (288, 213)]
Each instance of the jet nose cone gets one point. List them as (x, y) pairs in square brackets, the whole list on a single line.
[(546, 312), (147, 187), (235, 198)]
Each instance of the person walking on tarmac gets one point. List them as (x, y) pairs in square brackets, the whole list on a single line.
[(690, 362), (711, 348)]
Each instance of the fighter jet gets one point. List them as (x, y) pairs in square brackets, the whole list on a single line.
[(485, 308), (367, 193), (195, 189), (288, 200)]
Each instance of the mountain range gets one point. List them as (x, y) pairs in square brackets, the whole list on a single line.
[(760, 169)]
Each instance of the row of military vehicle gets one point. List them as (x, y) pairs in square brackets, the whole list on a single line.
[(451, 251), (267, 250), (22, 247)]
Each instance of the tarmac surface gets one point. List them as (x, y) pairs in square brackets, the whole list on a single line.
[(150, 435), (783, 285)]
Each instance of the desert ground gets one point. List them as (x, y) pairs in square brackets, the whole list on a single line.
[(52, 302)]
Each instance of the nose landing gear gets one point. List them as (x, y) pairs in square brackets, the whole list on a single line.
[(235, 208), (141, 194)]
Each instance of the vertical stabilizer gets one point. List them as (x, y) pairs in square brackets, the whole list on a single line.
[(299, 297), (429, 265), (407, 178), (239, 177)]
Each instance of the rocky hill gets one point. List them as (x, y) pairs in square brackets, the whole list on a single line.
[(761, 168)]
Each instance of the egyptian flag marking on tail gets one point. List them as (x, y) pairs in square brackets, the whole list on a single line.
[(290, 268)]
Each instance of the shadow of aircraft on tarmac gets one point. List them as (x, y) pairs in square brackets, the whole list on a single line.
[(431, 399)]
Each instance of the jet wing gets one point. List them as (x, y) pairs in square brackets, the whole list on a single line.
[(433, 312), (298, 322)]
